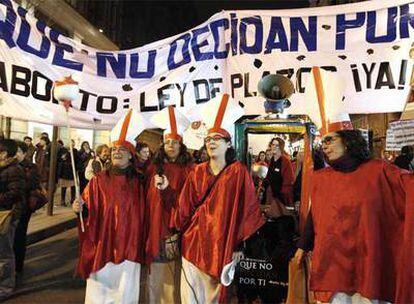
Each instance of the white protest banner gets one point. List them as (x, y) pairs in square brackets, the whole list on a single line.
[(390, 142), (403, 131), (367, 43)]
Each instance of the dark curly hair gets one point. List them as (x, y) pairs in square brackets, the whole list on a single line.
[(356, 145), (183, 158)]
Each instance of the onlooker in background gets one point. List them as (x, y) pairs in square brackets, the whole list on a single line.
[(42, 158), (404, 160), (65, 172), (269, 155), (261, 158), (143, 155), (196, 156), (85, 154), (32, 183), (203, 154), (12, 187), (99, 163), (31, 149)]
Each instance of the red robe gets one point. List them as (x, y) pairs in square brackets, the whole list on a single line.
[(359, 224), (229, 215), (114, 228), (162, 204)]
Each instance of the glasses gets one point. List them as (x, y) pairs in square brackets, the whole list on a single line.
[(214, 138), (327, 140), (119, 149)]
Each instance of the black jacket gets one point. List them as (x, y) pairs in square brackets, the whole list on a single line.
[(12, 187)]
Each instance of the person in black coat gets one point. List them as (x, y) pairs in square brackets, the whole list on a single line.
[(12, 199), (65, 172), (404, 160), (32, 180)]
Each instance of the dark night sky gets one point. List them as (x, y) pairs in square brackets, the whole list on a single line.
[(140, 22)]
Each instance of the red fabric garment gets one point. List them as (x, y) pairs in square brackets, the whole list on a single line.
[(405, 282), (161, 205), (358, 221), (114, 228), (229, 215), (288, 180)]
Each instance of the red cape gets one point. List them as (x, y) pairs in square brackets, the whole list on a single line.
[(114, 228), (228, 216), (161, 205), (405, 282), (359, 224)]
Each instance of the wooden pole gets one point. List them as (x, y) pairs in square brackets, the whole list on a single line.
[(7, 131), (1, 127), (52, 172)]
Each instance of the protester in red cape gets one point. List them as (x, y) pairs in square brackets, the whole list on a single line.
[(217, 210), (143, 156), (12, 199), (356, 224), (112, 246), (101, 162), (32, 181), (166, 177)]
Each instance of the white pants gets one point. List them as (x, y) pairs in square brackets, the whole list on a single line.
[(196, 286), (114, 284), (356, 298), (164, 282)]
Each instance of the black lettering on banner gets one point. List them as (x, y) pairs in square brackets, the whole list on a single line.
[(163, 97), (3, 78), (403, 73), (286, 72), (181, 93), (236, 81), (355, 76), (35, 84), (22, 81), (142, 105), (197, 90), (246, 86), (368, 72), (85, 99), (213, 89), (299, 73), (385, 70), (100, 104)]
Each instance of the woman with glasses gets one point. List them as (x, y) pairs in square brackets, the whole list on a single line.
[(216, 211), (112, 245), (356, 225)]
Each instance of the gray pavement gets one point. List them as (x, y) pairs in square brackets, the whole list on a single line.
[(49, 272)]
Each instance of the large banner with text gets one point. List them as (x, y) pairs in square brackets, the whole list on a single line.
[(367, 43)]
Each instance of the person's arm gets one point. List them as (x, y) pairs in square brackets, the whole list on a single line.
[(187, 201), (288, 178), (307, 238), (89, 173)]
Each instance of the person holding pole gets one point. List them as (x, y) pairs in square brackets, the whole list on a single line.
[(113, 243)]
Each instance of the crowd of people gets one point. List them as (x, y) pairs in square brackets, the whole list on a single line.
[(164, 227)]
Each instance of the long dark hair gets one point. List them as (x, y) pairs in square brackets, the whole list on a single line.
[(184, 157), (356, 145)]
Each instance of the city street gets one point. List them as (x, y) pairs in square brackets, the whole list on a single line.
[(49, 272)]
